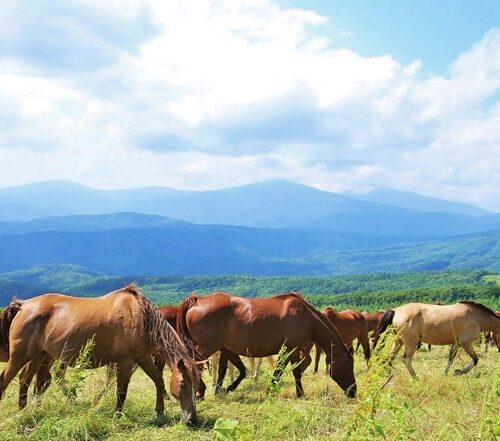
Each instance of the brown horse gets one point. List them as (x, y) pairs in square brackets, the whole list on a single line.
[(351, 325), (458, 325), (124, 328), (259, 328)]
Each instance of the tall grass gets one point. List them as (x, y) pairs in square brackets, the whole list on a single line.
[(390, 406)]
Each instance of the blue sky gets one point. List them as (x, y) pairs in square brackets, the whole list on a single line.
[(201, 94), (435, 32)]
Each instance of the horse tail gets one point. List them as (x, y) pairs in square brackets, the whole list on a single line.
[(182, 327), (6, 318), (363, 337), (384, 322)]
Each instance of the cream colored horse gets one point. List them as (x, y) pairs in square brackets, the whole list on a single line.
[(458, 325)]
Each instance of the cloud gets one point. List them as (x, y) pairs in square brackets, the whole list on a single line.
[(205, 94)]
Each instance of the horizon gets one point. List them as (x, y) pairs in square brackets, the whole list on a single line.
[(351, 194), (210, 95)]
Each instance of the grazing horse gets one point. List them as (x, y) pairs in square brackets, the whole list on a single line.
[(458, 325), (258, 328), (124, 329), (351, 325)]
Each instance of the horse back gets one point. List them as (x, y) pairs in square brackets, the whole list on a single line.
[(248, 326), (60, 324)]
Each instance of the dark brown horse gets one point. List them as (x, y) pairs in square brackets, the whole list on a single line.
[(259, 328), (351, 325), (124, 329)]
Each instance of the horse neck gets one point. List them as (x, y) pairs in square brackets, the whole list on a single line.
[(489, 322), (327, 337)]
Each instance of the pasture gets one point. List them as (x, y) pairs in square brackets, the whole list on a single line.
[(390, 405)]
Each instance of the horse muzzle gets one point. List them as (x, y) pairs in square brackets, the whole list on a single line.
[(351, 391)]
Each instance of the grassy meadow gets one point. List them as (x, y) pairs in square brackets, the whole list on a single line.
[(390, 406)]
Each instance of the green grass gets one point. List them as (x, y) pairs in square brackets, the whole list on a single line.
[(433, 407)]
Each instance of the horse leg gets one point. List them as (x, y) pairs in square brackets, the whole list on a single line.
[(257, 363), (407, 357), (43, 376), (398, 344), (297, 373), (251, 360), (215, 367), (230, 368), (306, 360), (451, 357), (365, 343), (316, 358), (468, 347), (149, 367), (124, 371), (236, 360), (221, 371), (27, 374), (13, 366)]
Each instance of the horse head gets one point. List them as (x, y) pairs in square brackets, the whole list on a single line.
[(182, 387)]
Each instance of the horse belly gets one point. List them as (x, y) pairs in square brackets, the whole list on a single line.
[(448, 332)]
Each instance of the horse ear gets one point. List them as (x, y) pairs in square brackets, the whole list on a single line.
[(180, 365)]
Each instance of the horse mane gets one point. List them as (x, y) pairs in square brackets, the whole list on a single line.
[(182, 328), (480, 306), (6, 318), (165, 341)]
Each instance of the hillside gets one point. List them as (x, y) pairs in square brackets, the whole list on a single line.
[(171, 289), (187, 249)]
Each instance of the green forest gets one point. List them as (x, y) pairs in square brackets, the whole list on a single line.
[(370, 291)]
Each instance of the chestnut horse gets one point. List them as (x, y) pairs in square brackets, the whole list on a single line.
[(458, 325), (261, 327), (124, 328), (351, 325)]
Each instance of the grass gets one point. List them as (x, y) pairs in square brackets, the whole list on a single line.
[(389, 406)]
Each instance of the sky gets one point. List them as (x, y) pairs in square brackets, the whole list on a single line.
[(342, 96)]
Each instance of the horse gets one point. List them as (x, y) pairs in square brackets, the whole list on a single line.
[(259, 327), (351, 325), (123, 327), (458, 325)]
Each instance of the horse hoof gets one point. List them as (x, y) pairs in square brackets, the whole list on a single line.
[(221, 391), (458, 372), (160, 420)]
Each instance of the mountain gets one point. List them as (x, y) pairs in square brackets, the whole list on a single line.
[(176, 248), (416, 202), (101, 222), (275, 204), (181, 248)]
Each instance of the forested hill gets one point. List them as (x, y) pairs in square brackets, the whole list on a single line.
[(364, 291)]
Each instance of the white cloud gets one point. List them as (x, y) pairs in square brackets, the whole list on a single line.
[(205, 94)]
